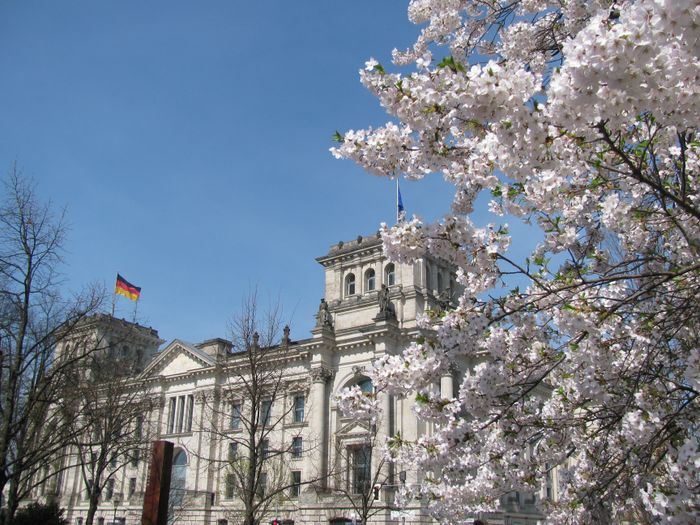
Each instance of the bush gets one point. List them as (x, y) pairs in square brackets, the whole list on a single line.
[(39, 514)]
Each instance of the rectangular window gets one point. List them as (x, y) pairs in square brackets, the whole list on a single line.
[(180, 413), (132, 487), (59, 482), (296, 484), (265, 448), (230, 487), (265, 410), (262, 485), (79, 521), (135, 456), (298, 409), (232, 451), (109, 490), (297, 444), (171, 414), (235, 416), (361, 458), (100, 521), (190, 410), (138, 433), (113, 461)]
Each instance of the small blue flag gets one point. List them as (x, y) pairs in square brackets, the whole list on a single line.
[(400, 213)]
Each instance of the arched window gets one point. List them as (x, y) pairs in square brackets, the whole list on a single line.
[(369, 280), (178, 478), (350, 284), (389, 275), (366, 385)]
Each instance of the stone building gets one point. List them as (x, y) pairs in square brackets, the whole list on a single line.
[(369, 309)]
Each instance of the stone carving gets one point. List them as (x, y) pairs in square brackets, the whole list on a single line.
[(321, 374), (358, 370), (324, 318), (200, 397), (386, 309)]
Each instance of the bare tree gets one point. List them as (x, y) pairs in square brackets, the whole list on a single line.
[(112, 427), (361, 469), (34, 318), (257, 401)]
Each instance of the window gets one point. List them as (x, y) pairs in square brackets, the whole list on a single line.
[(132, 487), (360, 476), (138, 432), (171, 414), (79, 521), (262, 485), (232, 451), (230, 486), (350, 284), (178, 479), (59, 482), (109, 490), (188, 414), (439, 282), (180, 413), (265, 448), (298, 409), (222, 521), (235, 416), (265, 409), (389, 275), (366, 386), (296, 484), (135, 456), (100, 521), (370, 281), (297, 445), (113, 461)]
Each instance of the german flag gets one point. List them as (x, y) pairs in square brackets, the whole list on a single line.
[(125, 288)]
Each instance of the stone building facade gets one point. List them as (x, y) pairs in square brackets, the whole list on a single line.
[(369, 309)]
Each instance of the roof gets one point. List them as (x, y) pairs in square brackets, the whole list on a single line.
[(343, 247)]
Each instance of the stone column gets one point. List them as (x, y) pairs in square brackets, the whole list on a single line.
[(447, 386), (318, 418)]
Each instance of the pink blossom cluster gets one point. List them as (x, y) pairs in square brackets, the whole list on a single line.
[(581, 119)]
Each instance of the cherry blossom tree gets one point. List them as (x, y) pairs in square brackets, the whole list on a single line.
[(580, 119)]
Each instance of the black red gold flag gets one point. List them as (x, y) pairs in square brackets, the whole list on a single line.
[(125, 288)]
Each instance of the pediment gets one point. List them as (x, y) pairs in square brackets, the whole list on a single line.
[(178, 358), (353, 428)]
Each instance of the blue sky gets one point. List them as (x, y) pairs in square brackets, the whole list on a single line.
[(189, 142)]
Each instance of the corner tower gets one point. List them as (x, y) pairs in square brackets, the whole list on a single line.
[(356, 271)]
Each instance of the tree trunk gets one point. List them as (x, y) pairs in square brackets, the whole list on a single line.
[(12, 501), (92, 509)]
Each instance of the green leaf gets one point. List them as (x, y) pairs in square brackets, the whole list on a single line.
[(450, 62), (337, 137), (422, 397)]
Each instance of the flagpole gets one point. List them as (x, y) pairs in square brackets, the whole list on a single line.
[(114, 301), (136, 307), (398, 217)]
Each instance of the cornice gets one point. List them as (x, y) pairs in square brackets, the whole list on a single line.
[(349, 249)]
